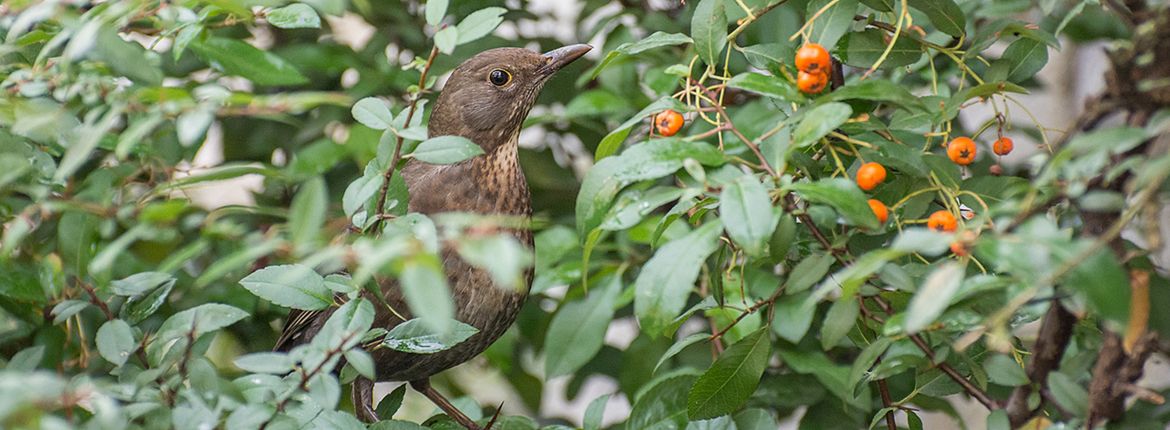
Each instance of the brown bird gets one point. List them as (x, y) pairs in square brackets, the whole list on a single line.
[(486, 100)]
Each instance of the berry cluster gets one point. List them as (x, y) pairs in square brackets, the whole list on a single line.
[(813, 65)]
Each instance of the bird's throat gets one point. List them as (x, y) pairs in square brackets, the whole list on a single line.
[(490, 184)]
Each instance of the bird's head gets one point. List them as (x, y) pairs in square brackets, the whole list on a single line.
[(487, 98)]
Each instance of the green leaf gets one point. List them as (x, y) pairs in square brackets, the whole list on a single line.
[(293, 285), (596, 102), (783, 237), (877, 90), (998, 420), (67, 308), (307, 213), (446, 39), (192, 125), (726, 386), (503, 257), (427, 293), (435, 10), (709, 29), (648, 160), (755, 419), (810, 270), (1020, 61), (417, 336), (944, 14), (634, 204), (91, 134), (145, 302), (594, 413), (656, 40), (389, 405), (271, 363), (666, 280), (746, 211), (296, 15), (346, 327), (1068, 394), (446, 150), (577, 331), (1104, 283), (934, 296), (840, 319), (844, 196), (480, 23), (770, 86), (26, 360), (663, 406), (833, 23), (115, 341), (362, 189), (238, 58), (794, 314), (128, 58), (612, 141), (924, 241), (981, 91), (361, 362), (865, 361), (832, 376), (864, 48), (766, 55), (679, 346), (140, 283), (373, 112), (880, 5), (193, 323), (1114, 140), (1003, 370), (818, 122)]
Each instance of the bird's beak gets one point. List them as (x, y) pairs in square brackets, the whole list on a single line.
[(556, 59)]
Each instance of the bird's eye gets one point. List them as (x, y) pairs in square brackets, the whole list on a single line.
[(499, 77)]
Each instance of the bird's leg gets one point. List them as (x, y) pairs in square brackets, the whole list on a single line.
[(363, 400), (424, 386)]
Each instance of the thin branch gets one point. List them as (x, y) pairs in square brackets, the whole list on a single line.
[(422, 80), (93, 298), (887, 401), (748, 142)]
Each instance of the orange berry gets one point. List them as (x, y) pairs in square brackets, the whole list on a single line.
[(942, 221), (962, 151), (668, 122), (1003, 146), (880, 210), (812, 58), (959, 248), (995, 169), (811, 83), (869, 175), (962, 246)]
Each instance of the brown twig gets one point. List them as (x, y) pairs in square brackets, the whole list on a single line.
[(734, 130), (93, 298), (750, 310), (972, 390), (303, 384), (887, 401), (422, 80)]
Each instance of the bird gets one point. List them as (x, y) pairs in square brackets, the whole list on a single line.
[(486, 100)]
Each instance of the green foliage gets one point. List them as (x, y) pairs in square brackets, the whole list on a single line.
[(176, 176)]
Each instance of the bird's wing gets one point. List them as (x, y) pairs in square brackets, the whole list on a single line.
[(295, 327)]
